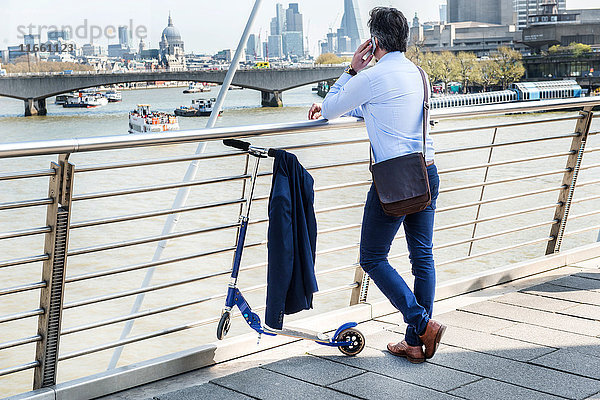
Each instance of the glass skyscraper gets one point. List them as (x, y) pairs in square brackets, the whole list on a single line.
[(351, 25)]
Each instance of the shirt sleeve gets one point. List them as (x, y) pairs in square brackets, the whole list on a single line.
[(347, 96)]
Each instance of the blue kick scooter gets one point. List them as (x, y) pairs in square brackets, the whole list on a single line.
[(347, 339)]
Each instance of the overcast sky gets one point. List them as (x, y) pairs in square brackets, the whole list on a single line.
[(206, 26)]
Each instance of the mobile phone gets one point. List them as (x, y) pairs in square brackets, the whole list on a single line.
[(373, 45)]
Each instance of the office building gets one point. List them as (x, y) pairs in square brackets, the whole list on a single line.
[(252, 48), (223, 55), (91, 49), (31, 40), (498, 12), (443, 13), (331, 42), (351, 25), (274, 47), (279, 20), (15, 52), (323, 47), (64, 35), (117, 50), (476, 37), (554, 28), (125, 36), (292, 43), (293, 19), (526, 8)]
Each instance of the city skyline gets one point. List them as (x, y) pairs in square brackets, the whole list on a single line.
[(204, 31)]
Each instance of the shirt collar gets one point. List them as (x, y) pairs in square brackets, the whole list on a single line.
[(393, 55)]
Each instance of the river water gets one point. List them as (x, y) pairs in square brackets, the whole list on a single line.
[(242, 107)]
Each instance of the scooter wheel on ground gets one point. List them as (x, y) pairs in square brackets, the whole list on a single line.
[(354, 336), (224, 325)]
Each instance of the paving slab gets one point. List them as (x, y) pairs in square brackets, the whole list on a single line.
[(572, 362), (577, 282), (393, 319), (495, 345), (584, 311), (530, 376), (476, 322), (564, 293), (377, 387), (593, 263), (490, 389), (552, 338), (536, 317), (380, 340), (206, 391), (589, 274), (265, 384), (319, 371), (530, 300), (384, 363), (594, 397)]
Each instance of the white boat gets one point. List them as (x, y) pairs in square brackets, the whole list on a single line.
[(197, 87), (86, 101), (113, 96), (199, 108), (62, 98), (142, 120)]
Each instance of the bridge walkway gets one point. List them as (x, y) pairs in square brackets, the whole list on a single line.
[(535, 338)]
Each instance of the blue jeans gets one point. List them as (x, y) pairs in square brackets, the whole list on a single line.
[(377, 234)]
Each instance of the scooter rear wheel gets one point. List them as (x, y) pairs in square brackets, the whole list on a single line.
[(354, 336), (224, 325)]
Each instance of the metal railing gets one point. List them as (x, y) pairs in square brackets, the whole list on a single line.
[(502, 194)]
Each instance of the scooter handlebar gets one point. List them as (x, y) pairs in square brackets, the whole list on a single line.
[(238, 144)]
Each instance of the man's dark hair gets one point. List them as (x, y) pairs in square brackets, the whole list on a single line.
[(390, 28)]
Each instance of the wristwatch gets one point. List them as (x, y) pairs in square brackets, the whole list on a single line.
[(350, 70)]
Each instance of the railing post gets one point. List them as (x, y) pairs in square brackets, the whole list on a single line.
[(565, 196), (359, 293), (53, 273)]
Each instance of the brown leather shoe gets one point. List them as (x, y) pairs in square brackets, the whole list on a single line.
[(432, 336), (414, 354)]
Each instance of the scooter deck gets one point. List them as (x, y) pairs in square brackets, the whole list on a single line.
[(299, 333)]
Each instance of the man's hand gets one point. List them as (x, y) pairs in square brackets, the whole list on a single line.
[(315, 111), (358, 60)]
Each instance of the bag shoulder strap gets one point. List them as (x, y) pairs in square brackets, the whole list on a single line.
[(425, 114), (425, 107)]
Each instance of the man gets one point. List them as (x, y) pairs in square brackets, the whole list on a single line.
[(389, 96)]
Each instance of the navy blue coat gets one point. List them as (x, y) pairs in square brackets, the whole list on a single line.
[(292, 237)]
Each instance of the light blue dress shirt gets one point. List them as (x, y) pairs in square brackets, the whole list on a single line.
[(389, 96)]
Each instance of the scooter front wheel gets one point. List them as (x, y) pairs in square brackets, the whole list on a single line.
[(354, 336), (224, 325)]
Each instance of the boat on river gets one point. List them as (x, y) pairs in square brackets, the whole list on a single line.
[(199, 108), (85, 100), (61, 99), (142, 120), (197, 87), (113, 96)]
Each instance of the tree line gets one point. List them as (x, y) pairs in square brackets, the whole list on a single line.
[(501, 68)]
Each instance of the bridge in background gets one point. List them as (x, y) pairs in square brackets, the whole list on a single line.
[(35, 89)]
